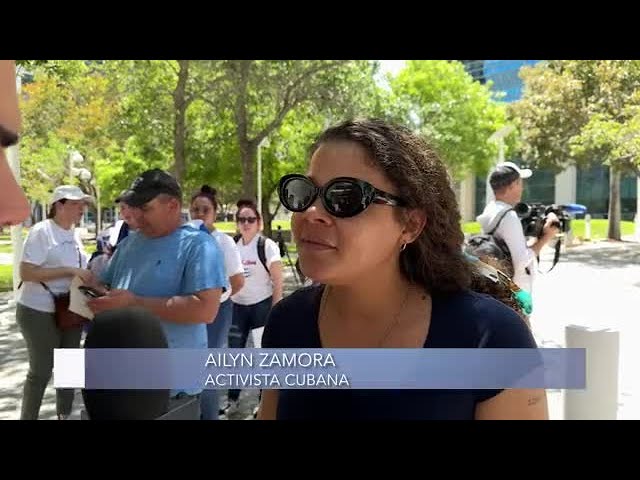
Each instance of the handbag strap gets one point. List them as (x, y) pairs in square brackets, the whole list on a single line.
[(41, 283), (45, 285), (47, 289)]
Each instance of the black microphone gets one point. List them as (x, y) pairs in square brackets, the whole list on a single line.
[(126, 328)]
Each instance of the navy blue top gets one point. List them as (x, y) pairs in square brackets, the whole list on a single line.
[(461, 320)]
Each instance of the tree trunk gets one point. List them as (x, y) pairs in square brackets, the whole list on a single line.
[(267, 217), (267, 214), (248, 149), (614, 204), (180, 105), (248, 158)]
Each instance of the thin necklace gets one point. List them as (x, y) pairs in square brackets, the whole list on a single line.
[(396, 320), (390, 327)]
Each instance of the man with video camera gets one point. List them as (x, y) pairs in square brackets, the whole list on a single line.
[(501, 220)]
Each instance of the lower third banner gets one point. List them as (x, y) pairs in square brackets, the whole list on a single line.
[(422, 368)]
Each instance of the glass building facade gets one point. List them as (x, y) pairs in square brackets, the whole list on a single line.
[(592, 183)]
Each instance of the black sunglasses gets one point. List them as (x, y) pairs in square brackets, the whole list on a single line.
[(246, 219), (341, 197)]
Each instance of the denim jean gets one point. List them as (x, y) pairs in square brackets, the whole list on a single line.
[(218, 333), (246, 318)]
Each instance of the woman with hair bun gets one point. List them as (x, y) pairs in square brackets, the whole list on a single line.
[(263, 283), (204, 206)]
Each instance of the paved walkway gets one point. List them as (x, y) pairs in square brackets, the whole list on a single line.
[(593, 285), (14, 366)]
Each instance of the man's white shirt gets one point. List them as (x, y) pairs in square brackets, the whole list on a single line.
[(510, 230)]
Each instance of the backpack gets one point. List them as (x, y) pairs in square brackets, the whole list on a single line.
[(261, 253), (486, 244)]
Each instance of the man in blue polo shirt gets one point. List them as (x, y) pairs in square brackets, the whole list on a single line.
[(174, 270)]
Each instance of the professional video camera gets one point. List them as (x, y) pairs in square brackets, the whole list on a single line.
[(533, 216)]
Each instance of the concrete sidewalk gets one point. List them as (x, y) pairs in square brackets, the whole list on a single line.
[(593, 285), (596, 286), (14, 366)]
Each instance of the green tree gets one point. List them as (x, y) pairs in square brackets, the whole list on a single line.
[(455, 113), (161, 110), (260, 94), (207, 118), (61, 117), (42, 150), (581, 112), (60, 69), (287, 153)]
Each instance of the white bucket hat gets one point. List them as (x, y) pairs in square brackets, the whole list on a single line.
[(70, 192)]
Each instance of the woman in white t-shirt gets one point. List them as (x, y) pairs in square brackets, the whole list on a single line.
[(263, 282), (204, 207), (53, 254)]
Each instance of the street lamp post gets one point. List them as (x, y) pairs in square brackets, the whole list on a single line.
[(74, 159), (498, 137), (263, 143), (87, 178)]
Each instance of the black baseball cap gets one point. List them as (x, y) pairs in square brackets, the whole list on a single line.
[(149, 185), (121, 196)]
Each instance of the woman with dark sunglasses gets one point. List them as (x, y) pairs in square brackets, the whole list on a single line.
[(263, 284), (376, 223)]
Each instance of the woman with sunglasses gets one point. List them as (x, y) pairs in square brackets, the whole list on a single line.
[(263, 284), (376, 223), (204, 206)]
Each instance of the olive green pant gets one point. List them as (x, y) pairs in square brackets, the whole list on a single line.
[(42, 336)]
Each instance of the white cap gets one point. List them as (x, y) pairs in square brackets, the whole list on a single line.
[(70, 192), (524, 172)]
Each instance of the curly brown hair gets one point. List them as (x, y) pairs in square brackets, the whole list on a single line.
[(434, 260)]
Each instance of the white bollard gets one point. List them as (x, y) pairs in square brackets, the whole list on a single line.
[(599, 401), (587, 226)]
